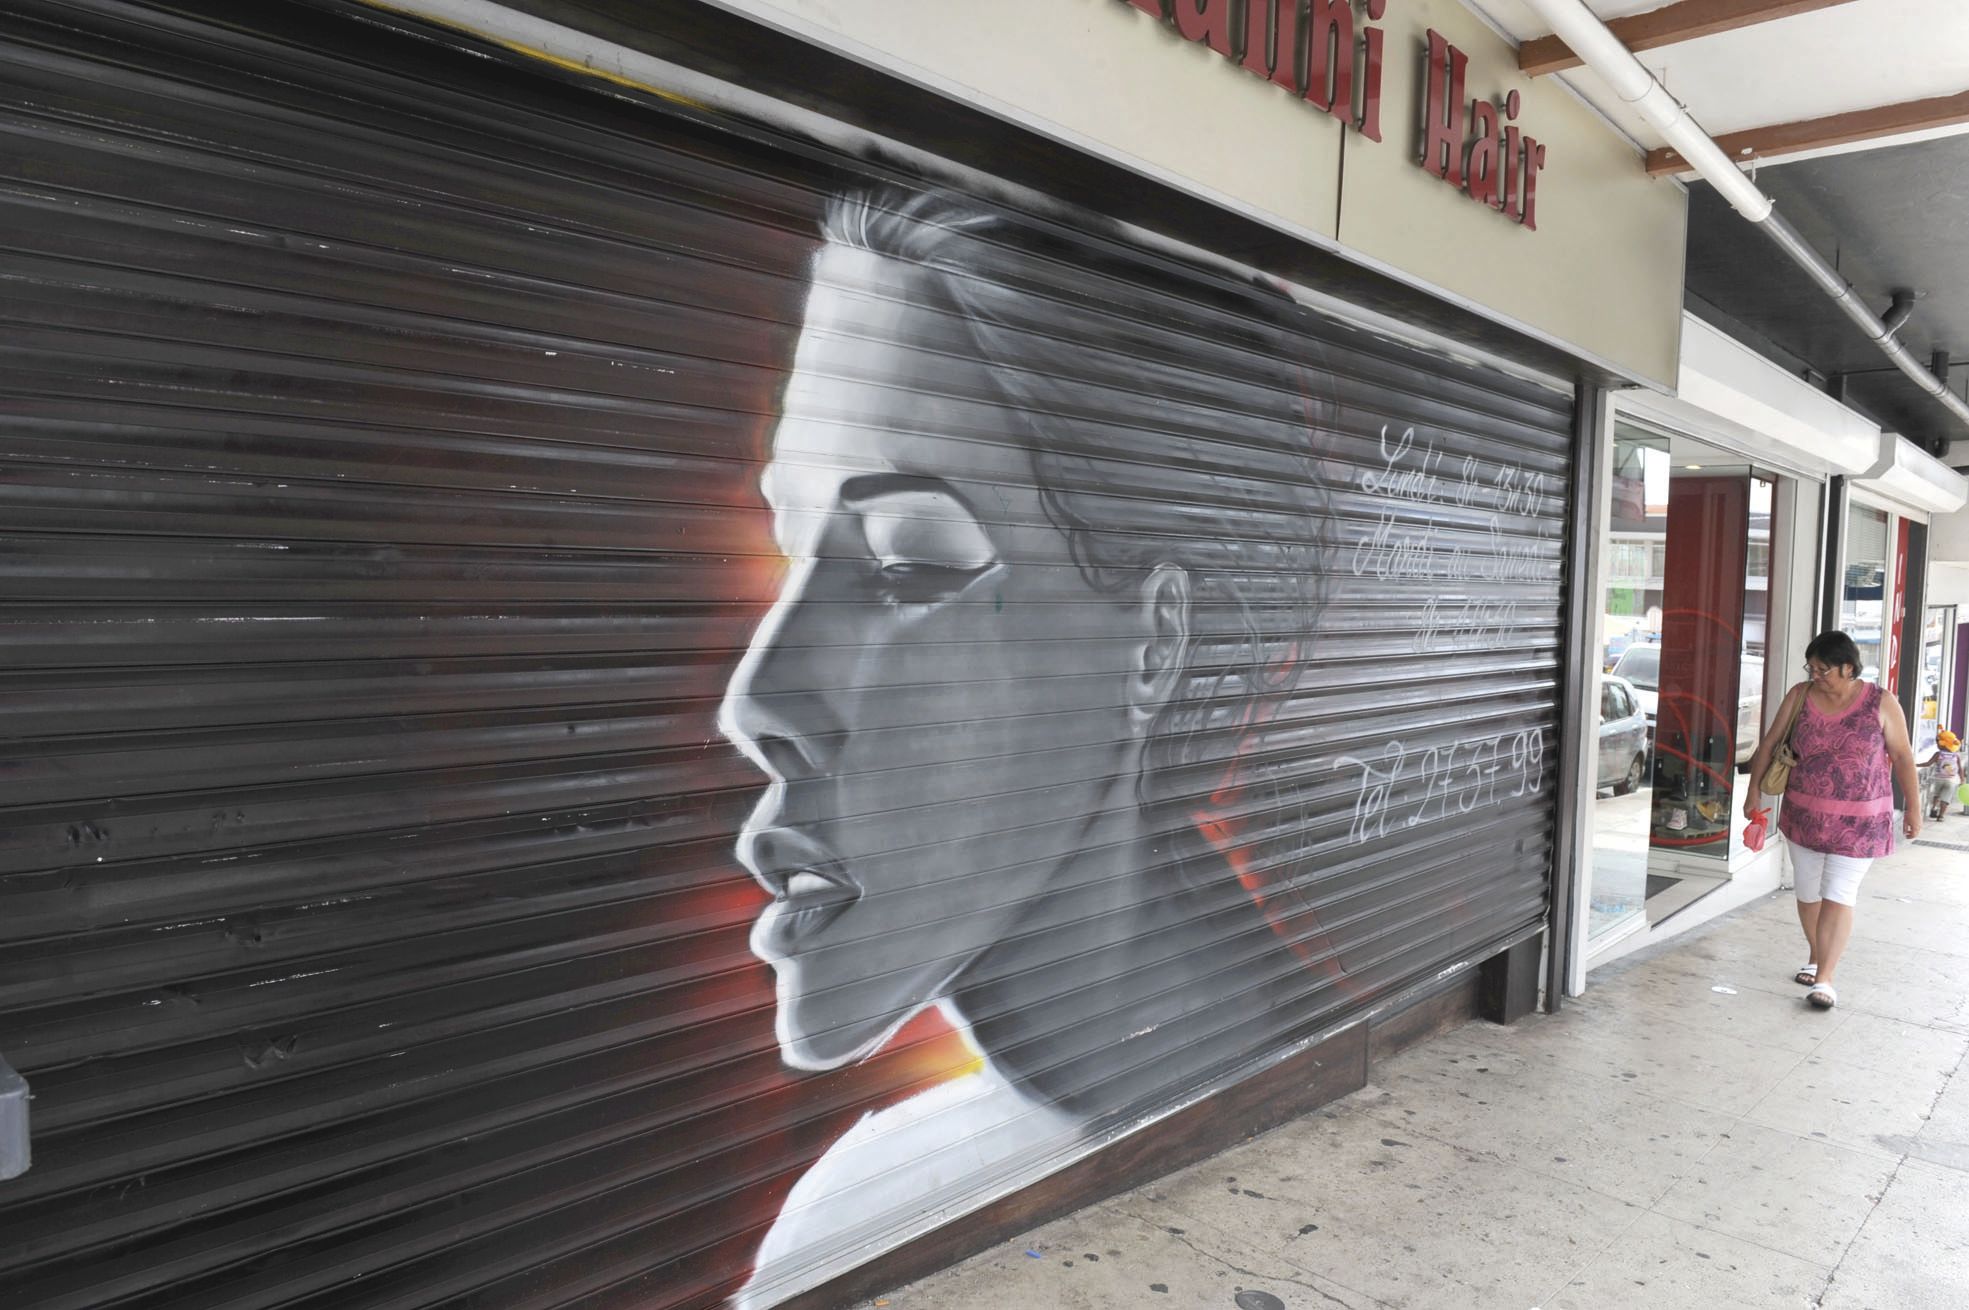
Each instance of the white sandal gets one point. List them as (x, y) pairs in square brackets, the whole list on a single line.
[(1807, 974), (1822, 996)]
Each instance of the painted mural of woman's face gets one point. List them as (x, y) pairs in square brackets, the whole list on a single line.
[(941, 701)]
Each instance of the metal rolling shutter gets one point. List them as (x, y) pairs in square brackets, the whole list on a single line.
[(380, 530)]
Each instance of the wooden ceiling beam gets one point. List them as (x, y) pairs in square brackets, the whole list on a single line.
[(1781, 139), (1684, 21)]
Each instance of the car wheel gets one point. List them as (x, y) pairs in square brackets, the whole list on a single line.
[(1635, 768)]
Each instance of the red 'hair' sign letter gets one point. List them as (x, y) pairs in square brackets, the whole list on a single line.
[(1442, 111), (1208, 21)]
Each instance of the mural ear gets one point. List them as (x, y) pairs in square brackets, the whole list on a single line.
[(1164, 598)]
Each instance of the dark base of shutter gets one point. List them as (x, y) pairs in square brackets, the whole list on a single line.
[(1508, 989)]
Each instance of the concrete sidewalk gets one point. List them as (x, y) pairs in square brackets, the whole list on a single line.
[(1689, 1133)]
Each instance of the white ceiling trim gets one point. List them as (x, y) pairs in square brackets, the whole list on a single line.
[(1728, 393), (1912, 478)]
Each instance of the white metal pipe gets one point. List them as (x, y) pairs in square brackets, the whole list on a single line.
[(1603, 52)]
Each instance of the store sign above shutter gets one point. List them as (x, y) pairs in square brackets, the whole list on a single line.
[(1176, 91)]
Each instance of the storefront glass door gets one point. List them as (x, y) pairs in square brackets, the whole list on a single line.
[(1686, 608), (1631, 660)]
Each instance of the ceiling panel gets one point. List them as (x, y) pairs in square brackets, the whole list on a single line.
[(1857, 55), (1887, 218)]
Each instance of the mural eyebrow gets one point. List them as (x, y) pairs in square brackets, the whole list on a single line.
[(871, 486)]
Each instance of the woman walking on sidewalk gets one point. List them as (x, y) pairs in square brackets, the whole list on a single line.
[(1852, 746)]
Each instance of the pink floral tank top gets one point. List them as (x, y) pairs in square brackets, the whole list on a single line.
[(1841, 797)]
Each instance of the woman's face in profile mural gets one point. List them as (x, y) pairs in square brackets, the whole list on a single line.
[(940, 699)]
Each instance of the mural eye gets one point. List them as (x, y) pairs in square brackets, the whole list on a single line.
[(926, 545), (923, 584)]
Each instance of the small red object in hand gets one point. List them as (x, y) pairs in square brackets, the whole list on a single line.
[(1753, 832)]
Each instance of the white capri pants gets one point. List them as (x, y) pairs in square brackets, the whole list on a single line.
[(1816, 875)]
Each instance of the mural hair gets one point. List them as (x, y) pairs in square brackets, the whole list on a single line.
[(1219, 471)]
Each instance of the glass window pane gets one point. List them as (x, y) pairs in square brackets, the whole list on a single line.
[(1862, 601), (1634, 547), (1931, 687)]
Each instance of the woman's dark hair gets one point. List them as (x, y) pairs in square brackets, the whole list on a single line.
[(1165, 426), (1834, 648)]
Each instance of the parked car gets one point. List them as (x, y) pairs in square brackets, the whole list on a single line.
[(1618, 643), (1640, 667), (1624, 739)]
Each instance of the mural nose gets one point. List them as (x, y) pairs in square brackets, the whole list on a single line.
[(788, 757), (784, 721)]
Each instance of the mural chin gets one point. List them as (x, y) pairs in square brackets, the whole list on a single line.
[(860, 945), (824, 1030), (844, 976)]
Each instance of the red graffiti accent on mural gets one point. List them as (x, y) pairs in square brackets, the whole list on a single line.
[(1222, 827), (1225, 826)]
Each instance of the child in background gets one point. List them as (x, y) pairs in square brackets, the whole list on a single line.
[(1944, 773)]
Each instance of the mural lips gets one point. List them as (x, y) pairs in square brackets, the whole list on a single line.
[(810, 887)]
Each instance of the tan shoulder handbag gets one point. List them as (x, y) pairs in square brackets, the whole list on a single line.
[(1777, 774)]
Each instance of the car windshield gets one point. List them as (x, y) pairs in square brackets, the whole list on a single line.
[(1640, 665)]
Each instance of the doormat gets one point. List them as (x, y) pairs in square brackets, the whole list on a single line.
[(1945, 845)]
